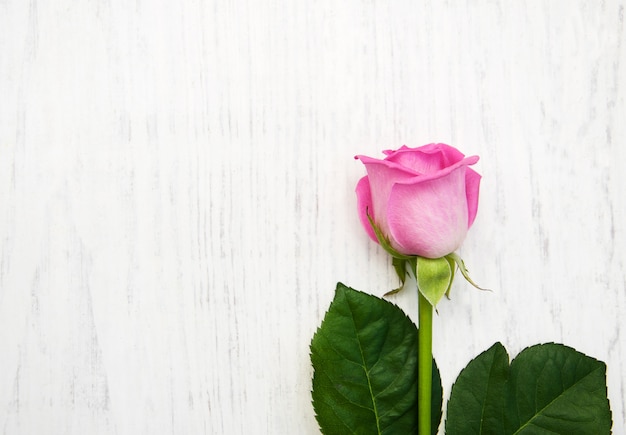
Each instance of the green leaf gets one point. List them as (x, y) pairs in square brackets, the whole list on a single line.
[(434, 277), (364, 356), (477, 399), (548, 389), (555, 389)]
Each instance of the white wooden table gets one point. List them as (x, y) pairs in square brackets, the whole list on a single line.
[(176, 195)]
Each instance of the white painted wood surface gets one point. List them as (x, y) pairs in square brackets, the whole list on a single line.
[(176, 195)]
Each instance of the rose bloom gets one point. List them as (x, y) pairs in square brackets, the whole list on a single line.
[(423, 199)]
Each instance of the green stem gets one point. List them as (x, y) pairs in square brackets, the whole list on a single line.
[(424, 365)]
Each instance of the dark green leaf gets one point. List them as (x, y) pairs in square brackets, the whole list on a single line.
[(365, 359), (548, 389), (477, 399), (436, 400), (555, 389)]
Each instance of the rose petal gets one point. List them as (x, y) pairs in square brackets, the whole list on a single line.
[(429, 217), (364, 206), (472, 185), (382, 175), (450, 155), (426, 159), (387, 163)]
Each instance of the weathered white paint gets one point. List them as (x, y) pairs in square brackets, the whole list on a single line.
[(176, 195)]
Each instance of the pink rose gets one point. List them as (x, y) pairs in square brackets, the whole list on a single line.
[(423, 199)]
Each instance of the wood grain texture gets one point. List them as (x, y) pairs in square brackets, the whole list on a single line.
[(176, 195)]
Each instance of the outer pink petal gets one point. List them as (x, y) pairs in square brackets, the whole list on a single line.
[(364, 206), (387, 163), (429, 218), (472, 185), (382, 175)]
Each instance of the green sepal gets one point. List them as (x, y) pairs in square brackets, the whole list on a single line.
[(459, 261), (452, 269), (384, 241), (434, 278), (399, 266)]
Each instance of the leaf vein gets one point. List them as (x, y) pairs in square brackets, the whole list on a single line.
[(539, 411)]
